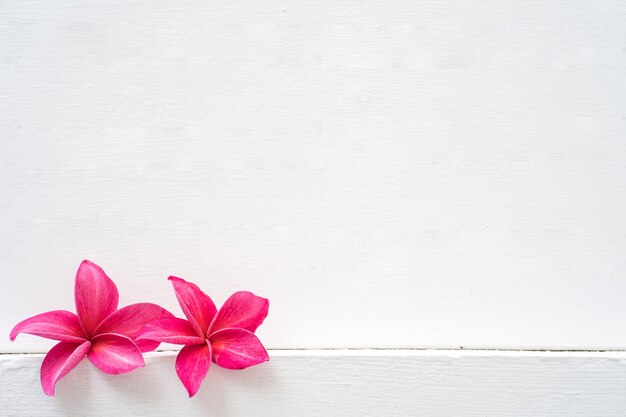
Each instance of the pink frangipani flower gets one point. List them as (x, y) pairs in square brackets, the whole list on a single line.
[(225, 337), (102, 332)]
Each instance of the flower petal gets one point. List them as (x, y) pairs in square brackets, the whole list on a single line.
[(192, 365), (171, 330), (237, 349), (128, 321), (58, 325), (197, 306), (146, 345), (243, 310), (95, 295), (61, 359), (115, 354)]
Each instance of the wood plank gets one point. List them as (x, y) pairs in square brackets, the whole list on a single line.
[(338, 383)]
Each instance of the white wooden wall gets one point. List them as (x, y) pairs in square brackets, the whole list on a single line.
[(338, 383), (400, 174)]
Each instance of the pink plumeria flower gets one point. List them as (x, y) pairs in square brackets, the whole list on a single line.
[(225, 337), (102, 332)]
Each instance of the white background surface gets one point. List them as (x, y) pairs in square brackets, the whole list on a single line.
[(388, 174), (430, 174), (338, 383)]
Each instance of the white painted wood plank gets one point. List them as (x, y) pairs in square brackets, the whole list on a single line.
[(338, 383), (397, 173)]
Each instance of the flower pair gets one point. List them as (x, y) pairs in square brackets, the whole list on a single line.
[(114, 340)]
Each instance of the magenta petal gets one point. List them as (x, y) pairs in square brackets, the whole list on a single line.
[(61, 359), (192, 365), (237, 349), (115, 354), (197, 306), (95, 295), (146, 345), (128, 321), (58, 325), (243, 310), (171, 330)]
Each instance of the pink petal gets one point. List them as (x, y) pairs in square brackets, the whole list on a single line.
[(58, 325), (146, 345), (61, 359), (171, 330), (197, 306), (95, 295), (243, 310), (192, 365), (237, 349), (114, 354), (128, 321)]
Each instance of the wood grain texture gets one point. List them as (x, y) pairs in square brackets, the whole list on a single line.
[(337, 383), (389, 174)]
